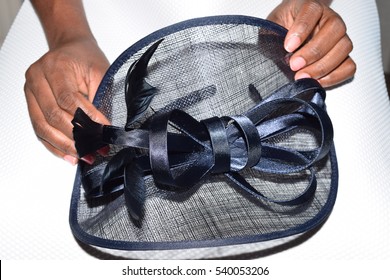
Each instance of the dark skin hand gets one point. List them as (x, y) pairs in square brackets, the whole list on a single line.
[(65, 78), (68, 75), (318, 40)]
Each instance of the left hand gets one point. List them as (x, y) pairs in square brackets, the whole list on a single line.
[(62, 80), (318, 40)]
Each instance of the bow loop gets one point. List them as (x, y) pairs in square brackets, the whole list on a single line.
[(250, 137), (219, 144)]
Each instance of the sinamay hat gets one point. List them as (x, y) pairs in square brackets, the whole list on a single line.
[(212, 143)]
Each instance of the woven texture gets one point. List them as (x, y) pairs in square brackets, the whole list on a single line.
[(209, 70)]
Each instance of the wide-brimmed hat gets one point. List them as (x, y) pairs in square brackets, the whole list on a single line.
[(212, 143)]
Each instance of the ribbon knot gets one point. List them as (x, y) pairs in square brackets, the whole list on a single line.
[(205, 147), (180, 159)]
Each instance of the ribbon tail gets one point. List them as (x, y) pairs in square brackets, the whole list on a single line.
[(304, 196), (134, 191)]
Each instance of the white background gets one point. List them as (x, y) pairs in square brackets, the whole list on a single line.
[(35, 187)]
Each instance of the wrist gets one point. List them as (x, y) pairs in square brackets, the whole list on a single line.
[(65, 38), (63, 21)]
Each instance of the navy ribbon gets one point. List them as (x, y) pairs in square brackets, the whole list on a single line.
[(218, 145)]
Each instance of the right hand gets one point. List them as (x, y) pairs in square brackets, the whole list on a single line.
[(63, 79), (318, 39)]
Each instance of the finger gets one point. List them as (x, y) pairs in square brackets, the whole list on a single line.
[(49, 109), (69, 97), (68, 158), (51, 138), (67, 102), (94, 79), (61, 144), (343, 73), (90, 159), (329, 62), (307, 17), (330, 34), (93, 112)]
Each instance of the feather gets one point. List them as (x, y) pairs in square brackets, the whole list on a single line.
[(122, 167), (113, 172), (88, 135), (254, 94), (138, 92), (134, 191)]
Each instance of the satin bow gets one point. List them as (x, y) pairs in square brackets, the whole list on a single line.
[(195, 150)]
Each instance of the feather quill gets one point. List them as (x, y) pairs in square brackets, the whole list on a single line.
[(138, 92), (134, 191)]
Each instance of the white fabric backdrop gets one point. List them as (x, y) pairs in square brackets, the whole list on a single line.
[(35, 187)]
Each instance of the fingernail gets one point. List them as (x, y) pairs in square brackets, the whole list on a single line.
[(302, 76), (292, 43), (90, 159), (104, 151), (70, 159), (297, 63)]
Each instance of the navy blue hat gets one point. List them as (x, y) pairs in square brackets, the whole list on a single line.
[(212, 142)]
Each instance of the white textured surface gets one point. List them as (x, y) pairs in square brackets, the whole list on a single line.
[(35, 187)]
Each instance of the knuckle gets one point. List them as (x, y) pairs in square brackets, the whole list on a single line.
[(351, 67), (320, 69), (347, 44), (314, 6), (50, 59), (66, 101), (28, 74), (25, 89), (68, 147), (303, 26), (315, 52), (41, 129), (341, 27), (338, 28), (54, 116), (309, 10), (31, 71), (44, 133), (337, 22)]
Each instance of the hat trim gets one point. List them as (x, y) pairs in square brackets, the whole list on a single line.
[(316, 221)]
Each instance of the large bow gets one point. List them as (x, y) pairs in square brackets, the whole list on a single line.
[(197, 149)]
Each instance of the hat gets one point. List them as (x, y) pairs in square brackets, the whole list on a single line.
[(212, 142)]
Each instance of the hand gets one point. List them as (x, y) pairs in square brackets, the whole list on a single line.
[(63, 79), (318, 40)]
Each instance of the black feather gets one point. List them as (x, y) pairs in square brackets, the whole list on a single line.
[(113, 172), (254, 94), (134, 191), (88, 135), (138, 92)]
